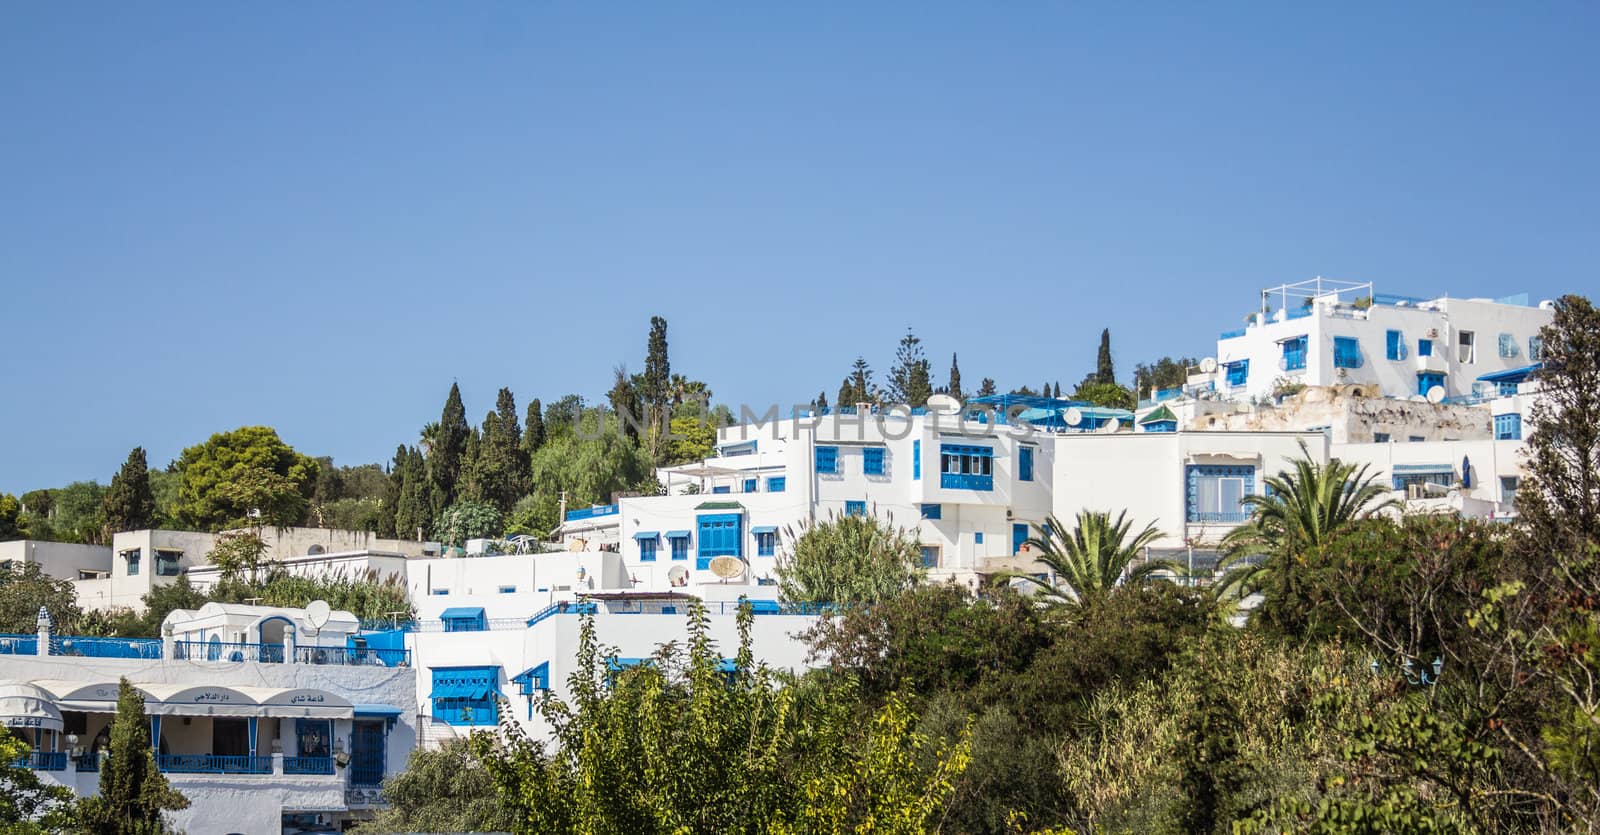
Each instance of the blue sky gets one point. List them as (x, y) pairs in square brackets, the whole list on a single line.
[(317, 216)]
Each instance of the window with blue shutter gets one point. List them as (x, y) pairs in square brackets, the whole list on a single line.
[(647, 550), (1508, 427), (719, 536), (466, 695), (1394, 345), (933, 511), (827, 460), (749, 485), (1346, 352), (1294, 354), (1535, 348), (463, 619), (678, 543), (855, 508), (966, 467), (1025, 463), (872, 460), (776, 484), (1238, 372), (916, 460), (1424, 347), (766, 543), (1019, 536), (1215, 493), (1427, 380), (1508, 346)]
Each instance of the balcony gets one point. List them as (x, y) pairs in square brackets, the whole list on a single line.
[(213, 764), (353, 657), (1235, 518), (307, 765), (72, 645), (966, 481), (220, 651), (19, 645), (44, 761)]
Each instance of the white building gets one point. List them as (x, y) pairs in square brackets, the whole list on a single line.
[(1326, 333), (61, 560), (267, 720)]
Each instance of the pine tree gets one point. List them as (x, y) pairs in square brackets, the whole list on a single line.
[(533, 429), (133, 792), (954, 389), (448, 445), (821, 402), (860, 382), (908, 380), (987, 387), (1104, 372), (499, 472), (129, 505), (847, 393)]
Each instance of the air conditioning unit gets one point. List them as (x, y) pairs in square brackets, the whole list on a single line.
[(1432, 333), (1344, 373), (1008, 513)]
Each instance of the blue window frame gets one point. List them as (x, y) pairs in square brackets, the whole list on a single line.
[(1508, 427), (1427, 380), (1294, 354), (933, 511), (776, 484), (1535, 348), (647, 549), (1019, 536), (1215, 493), (1506, 389), (533, 681), (1025, 463), (720, 536), (1394, 345), (463, 619), (1380, 437), (854, 508), (1508, 487), (680, 547), (966, 467), (827, 460), (872, 460), (508, 589), (749, 485), (977, 537), (1424, 347), (766, 543), (1346, 352), (1238, 372), (722, 488), (132, 556), (1508, 346), (466, 695), (930, 556), (916, 460)]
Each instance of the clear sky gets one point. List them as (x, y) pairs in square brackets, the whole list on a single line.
[(316, 216)]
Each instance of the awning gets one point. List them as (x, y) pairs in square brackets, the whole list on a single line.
[(764, 529), (1160, 415), (202, 700), (646, 534), (26, 706), (677, 534), (1511, 375), (376, 710), (719, 506), (467, 612), (1423, 469), (302, 703)]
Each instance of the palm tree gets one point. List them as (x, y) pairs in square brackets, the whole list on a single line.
[(1305, 508), (1093, 557)]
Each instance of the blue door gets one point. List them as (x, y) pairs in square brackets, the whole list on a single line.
[(366, 753), (1019, 535)]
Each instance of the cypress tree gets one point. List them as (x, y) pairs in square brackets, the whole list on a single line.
[(954, 389), (655, 390), (908, 380), (987, 387), (657, 378), (1045, 391), (625, 402), (847, 393), (533, 429), (448, 447), (391, 495), (471, 484), (821, 402), (1104, 372), (133, 792), (129, 505), (413, 507)]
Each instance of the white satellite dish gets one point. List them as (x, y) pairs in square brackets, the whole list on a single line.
[(1073, 416), (1110, 427), (727, 568), (678, 576), (1436, 394), (317, 614), (1208, 365), (943, 404)]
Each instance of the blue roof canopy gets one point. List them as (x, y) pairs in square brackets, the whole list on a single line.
[(376, 710), (677, 534), (764, 529), (469, 612), (646, 534), (1423, 469), (1511, 375)]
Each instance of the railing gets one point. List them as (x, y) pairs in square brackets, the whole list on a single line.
[(71, 645), (591, 512), (219, 651), (565, 607), (488, 624), (213, 764), (307, 765), (1220, 518), (11, 644), (353, 657), (44, 761), (366, 775), (87, 762), (1233, 334), (966, 481)]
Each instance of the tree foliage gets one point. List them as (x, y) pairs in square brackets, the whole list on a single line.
[(468, 520), (26, 589), (247, 469), (1093, 557), (134, 795), (129, 505), (446, 789), (848, 560), (28, 805)]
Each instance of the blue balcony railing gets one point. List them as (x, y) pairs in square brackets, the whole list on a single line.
[(220, 651), (966, 481), (591, 512), (44, 761), (1220, 518), (87, 762), (307, 765), (213, 764), (19, 644), (353, 657), (73, 645), (1233, 334)]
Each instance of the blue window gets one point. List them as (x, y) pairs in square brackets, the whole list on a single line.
[(749, 485), (1508, 346), (678, 541), (1394, 345), (1215, 493), (720, 536), (133, 561), (977, 538), (1380, 437), (930, 556), (766, 541), (827, 460), (1535, 348), (966, 467), (463, 619), (722, 489), (1025, 463), (531, 682), (1507, 389), (1424, 347), (916, 460), (647, 549), (1294, 354), (1019, 536), (1238, 372), (776, 484), (855, 508), (1346, 352), (508, 589), (1508, 427), (466, 695), (872, 460), (1427, 380), (1508, 487), (933, 511), (440, 592)]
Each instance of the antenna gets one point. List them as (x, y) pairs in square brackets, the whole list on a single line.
[(1436, 394), (317, 614), (1073, 416), (1208, 365), (727, 568)]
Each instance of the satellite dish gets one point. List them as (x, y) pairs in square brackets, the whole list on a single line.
[(727, 568), (1073, 416), (317, 613), (1436, 394), (1208, 365), (678, 576), (1110, 427), (944, 404)]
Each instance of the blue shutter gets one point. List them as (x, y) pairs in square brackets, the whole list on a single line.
[(1424, 347), (827, 460), (720, 536), (1346, 352), (1238, 372), (916, 460), (933, 511), (776, 484), (749, 485), (1019, 536), (1395, 345), (855, 508), (1025, 463), (1508, 427), (872, 460)]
